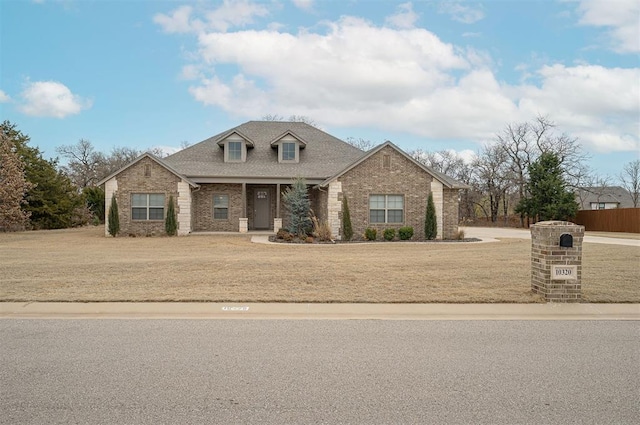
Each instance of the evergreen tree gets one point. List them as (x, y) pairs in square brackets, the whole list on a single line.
[(94, 197), (347, 229), (430, 222), (296, 201), (13, 187), (548, 197), (114, 217), (52, 200), (171, 222)]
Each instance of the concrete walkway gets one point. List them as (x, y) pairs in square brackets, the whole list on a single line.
[(280, 311), (492, 234)]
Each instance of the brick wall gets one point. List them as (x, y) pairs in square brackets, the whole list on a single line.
[(401, 177), (203, 208), (133, 180)]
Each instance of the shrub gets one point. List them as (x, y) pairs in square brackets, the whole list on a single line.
[(370, 234), (347, 229), (460, 235), (282, 234), (389, 234), (309, 239), (171, 221), (114, 219), (430, 223), (321, 230), (405, 233)]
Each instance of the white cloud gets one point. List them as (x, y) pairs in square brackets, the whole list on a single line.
[(461, 13), (353, 73), (4, 98), (405, 18), (51, 99), (620, 17), (229, 14), (303, 4)]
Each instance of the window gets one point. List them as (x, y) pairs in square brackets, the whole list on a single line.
[(147, 170), (147, 206), (288, 151), (220, 207), (235, 151), (386, 209)]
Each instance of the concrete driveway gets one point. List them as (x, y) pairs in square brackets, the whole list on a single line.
[(492, 234)]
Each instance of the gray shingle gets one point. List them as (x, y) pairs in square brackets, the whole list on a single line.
[(323, 156)]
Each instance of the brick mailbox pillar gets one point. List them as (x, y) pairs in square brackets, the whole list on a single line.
[(556, 260)]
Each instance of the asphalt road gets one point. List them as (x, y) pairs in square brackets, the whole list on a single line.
[(310, 371)]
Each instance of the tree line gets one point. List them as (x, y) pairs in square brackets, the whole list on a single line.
[(529, 170)]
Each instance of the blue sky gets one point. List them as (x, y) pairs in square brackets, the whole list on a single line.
[(424, 74)]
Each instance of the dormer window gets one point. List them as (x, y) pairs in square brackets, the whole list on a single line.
[(235, 147), (289, 147), (234, 151), (288, 151)]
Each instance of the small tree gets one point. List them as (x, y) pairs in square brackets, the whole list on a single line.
[(114, 218), (430, 222), (347, 229), (296, 201), (548, 197), (171, 222), (94, 197)]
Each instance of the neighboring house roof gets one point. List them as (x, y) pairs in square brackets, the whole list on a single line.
[(323, 156), (153, 158), (447, 181), (604, 194)]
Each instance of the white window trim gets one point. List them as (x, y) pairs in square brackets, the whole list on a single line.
[(386, 209)]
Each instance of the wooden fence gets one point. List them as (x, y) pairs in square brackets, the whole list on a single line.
[(614, 220)]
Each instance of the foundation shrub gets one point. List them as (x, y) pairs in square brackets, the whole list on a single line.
[(389, 234), (370, 234), (405, 233)]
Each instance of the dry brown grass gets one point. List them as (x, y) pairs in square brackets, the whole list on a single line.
[(83, 265)]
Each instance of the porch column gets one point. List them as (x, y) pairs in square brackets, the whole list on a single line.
[(244, 200), (244, 221), (278, 200)]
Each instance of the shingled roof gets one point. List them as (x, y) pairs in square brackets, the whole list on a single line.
[(322, 157)]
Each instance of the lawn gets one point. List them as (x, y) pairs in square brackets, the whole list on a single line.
[(83, 265)]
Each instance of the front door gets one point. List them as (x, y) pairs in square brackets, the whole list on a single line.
[(262, 208)]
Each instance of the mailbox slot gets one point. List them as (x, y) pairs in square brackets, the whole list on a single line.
[(566, 240)]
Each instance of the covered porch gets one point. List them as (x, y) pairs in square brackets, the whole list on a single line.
[(246, 206)]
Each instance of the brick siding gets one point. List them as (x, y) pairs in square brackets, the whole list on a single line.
[(203, 208), (401, 177), (133, 180)]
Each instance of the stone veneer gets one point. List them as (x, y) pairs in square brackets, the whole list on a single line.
[(134, 180), (401, 177), (546, 253)]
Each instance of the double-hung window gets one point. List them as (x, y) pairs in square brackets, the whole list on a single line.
[(386, 208), (288, 151), (235, 151), (147, 206), (220, 207)]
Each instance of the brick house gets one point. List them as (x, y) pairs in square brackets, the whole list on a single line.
[(233, 182)]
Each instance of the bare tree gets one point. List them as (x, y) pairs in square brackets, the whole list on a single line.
[(493, 177), (360, 143), (83, 162), (630, 179), (293, 118), (524, 143)]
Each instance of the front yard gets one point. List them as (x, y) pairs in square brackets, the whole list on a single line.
[(83, 265)]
